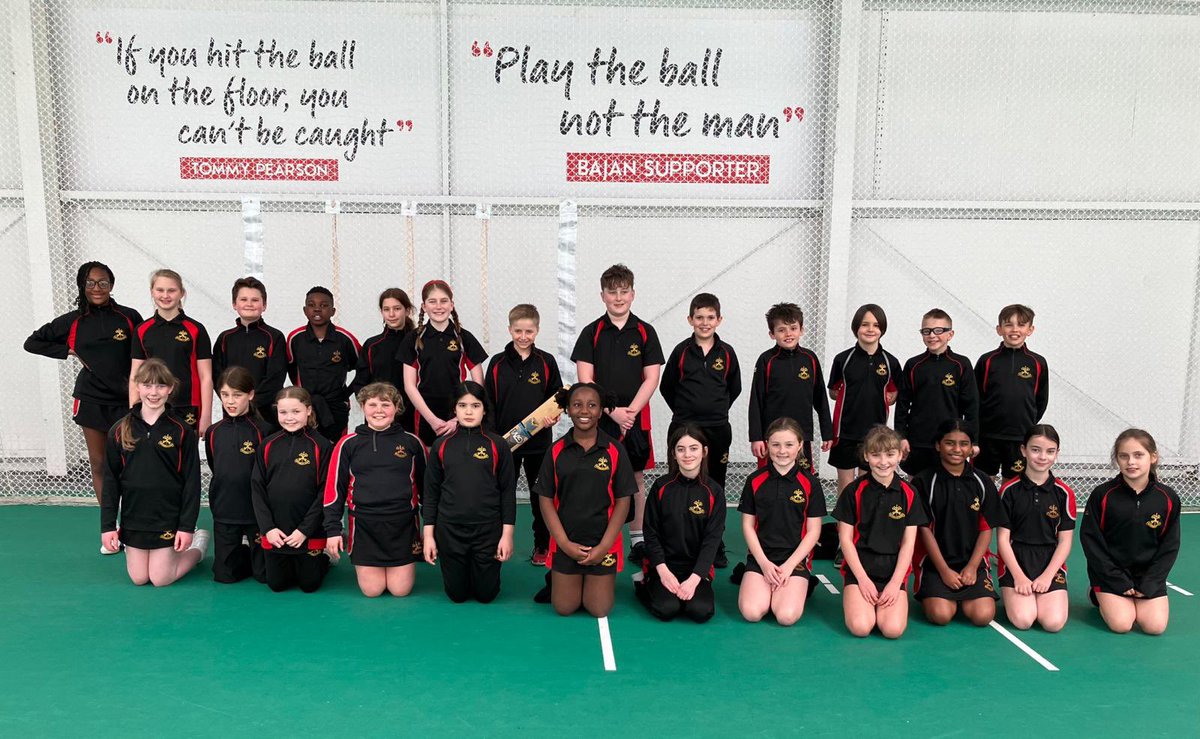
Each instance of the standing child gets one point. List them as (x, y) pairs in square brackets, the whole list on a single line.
[(878, 515), (518, 381), (788, 383), (621, 353), (378, 473), (935, 386), (782, 506), (286, 487), (1035, 544), (685, 518), (952, 554), (98, 333), (230, 446), (182, 344), (378, 360), (437, 356), (584, 488), (254, 345), (862, 383), (152, 480), (320, 357), (470, 506), (1130, 535), (1014, 389)]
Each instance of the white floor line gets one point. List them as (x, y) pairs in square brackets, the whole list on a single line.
[(1024, 647), (828, 585), (610, 660), (1178, 589)]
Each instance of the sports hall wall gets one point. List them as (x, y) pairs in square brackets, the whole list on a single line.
[(913, 154)]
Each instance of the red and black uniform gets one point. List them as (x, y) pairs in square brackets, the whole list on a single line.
[(781, 506), (1014, 389), (321, 366), (699, 388), (934, 388), (442, 360), (517, 386), (1130, 539), (619, 356), (287, 486), (959, 507), (585, 486), (470, 496), (861, 382), (378, 362), (880, 515), (155, 487), (379, 476), (260, 349), (181, 343), (230, 446), (1036, 515), (788, 382), (100, 336), (683, 525)]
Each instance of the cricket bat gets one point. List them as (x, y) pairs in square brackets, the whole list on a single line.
[(532, 423)]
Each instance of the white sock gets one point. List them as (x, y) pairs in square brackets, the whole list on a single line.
[(635, 537)]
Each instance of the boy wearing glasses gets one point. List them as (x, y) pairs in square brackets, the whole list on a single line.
[(935, 386), (1014, 389)]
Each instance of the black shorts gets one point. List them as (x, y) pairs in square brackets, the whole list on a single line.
[(846, 454), (90, 415), (879, 567), (999, 456), (778, 557), (1034, 559), (637, 442), (146, 539), (612, 563), (380, 542), (929, 584), (919, 458)]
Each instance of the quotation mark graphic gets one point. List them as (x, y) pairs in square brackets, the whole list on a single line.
[(789, 113), (105, 38), (486, 51), (404, 125)]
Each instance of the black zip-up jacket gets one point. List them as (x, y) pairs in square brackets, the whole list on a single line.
[(788, 382), (321, 367), (230, 446), (156, 486), (470, 479), (377, 361), (699, 388), (1130, 540), (258, 348), (684, 523), (517, 387), (1014, 389), (288, 481), (376, 474), (935, 388), (100, 336)]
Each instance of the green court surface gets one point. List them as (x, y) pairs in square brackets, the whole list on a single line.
[(87, 653)]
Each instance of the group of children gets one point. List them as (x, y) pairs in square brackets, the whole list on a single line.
[(427, 475)]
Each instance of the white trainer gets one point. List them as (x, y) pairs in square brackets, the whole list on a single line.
[(106, 550), (200, 541)]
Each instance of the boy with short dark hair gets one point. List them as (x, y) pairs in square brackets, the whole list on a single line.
[(1014, 390), (517, 381), (621, 353), (253, 345), (788, 382), (320, 357), (935, 386)]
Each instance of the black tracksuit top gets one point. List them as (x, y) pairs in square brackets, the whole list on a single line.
[(1014, 389), (156, 486), (861, 381), (788, 382), (101, 337), (376, 474), (180, 342), (470, 479), (699, 388), (258, 348), (517, 387), (321, 367), (959, 507), (684, 522), (1130, 539), (287, 483), (935, 388), (230, 446), (377, 361)]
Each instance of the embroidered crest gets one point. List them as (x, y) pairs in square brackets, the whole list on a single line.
[(896, 513), (336, 358), (797, 496), (1155, 521), (609, 560), (881, 370), (260, 352), (247, 447), (302, 459), (1052, 512), (314, 552), (804, 373), (697, 508), (602, 464), (1025, 373), (183, 336), (534, 378), (1060, 578), (725, 458), (719, 364), (634, 350), (167, 442), (987, 584), (975, 504), (401, 452), (167, 535), (119, 335), (481, 453), (948, 380), (803, 462), (1018, 466), (190, 419), (452, 346)]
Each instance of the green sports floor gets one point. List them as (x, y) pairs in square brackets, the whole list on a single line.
[(85, 653)]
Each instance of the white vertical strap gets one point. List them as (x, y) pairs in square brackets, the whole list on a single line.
[(333, 208), (568, 222), (483, 213), (252, 229), (409, 212)]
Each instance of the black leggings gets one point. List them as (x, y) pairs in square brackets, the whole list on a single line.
[(665, 606), (467, 558), (306, 570)]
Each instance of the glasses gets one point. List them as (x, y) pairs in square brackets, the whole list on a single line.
[(936, 331), (102, 284)]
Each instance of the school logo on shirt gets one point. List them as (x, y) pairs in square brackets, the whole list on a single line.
[(975, 504), (896, 513), (1155, 521), (948, 380), (190, 419), (797, 496), (452, 346), (602, 464), (881, 370), (119, 335), (697, 508), (609, 560), (247, 447), (1052, 512), (302, 459), (337, 357), (167, 442), (481, 453), (803, 462), (725, 458), (534, 379), (1018, 466), (401, 452), (719, 364), (634, 350), (167, 535), (804, 373), (260, 352), (1025, 373), (183, 336)]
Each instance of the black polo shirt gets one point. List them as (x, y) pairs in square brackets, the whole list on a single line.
[(1037, 513), (699, 387), (585, 485), (959, 506), (444, 359), (517, 386), (321, 366), (880, 514), (1014, 390), (100, 336), (788, 382), (181, 343), (935, 388), (782, 505), (861, 381), (1124, 533), (619, 354), (258, 348)]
